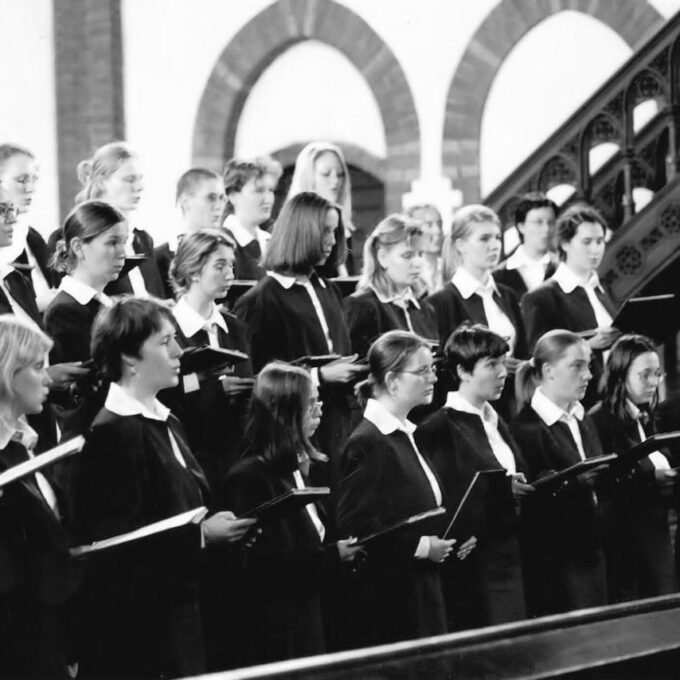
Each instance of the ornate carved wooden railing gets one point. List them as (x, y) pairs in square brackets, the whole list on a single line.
[(647, 158), (640, 639)]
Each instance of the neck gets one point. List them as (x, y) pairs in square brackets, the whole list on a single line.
[(533, 253), (565, 404), (397, 409), (199, 301), (479, 273), (142, 393), (10, 415), (249, 225), (467, 393), (399, 288), (579, 271), (88, 279)]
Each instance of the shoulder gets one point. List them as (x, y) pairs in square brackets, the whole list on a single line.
[(249, 469), (506, 292), (233, 322), (526, 420), (448, 293), (434, 422), (362, 299), (64, 307), (543, 293)]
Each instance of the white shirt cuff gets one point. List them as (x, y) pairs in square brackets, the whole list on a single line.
[(423, 549)]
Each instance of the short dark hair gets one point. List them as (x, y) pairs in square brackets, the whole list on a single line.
[(122, 329), (296, 245), (470, 343), (532, 201), (569, 222), (192, 179), (623, 353)]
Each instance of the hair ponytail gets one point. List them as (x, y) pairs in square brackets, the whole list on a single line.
[(526, 381)]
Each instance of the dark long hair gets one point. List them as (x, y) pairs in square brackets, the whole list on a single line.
[(623, 353), (275, 429)]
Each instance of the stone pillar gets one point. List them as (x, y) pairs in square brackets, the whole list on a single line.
[(88, 62)]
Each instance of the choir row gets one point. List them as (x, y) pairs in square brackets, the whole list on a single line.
[(234, 439)]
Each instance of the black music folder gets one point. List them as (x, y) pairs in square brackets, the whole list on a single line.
[(631, 456), (207, 359), (131, 261), (401, 524), (315, 361), (290, 500), (553, 481), (649, 315), (149, 532), (33, 465), (468, 519)]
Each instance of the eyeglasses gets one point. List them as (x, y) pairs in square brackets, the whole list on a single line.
[(423, 371), (649, 375), (7, 209)]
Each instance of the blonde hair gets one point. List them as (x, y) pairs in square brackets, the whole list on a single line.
[(92, 172), (464, 221), (394, 229), (303, 177), (21, 344)]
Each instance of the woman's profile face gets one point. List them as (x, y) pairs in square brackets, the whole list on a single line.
[(217, 273), (329, 230), (487, 379), (643, 377), (414, 384), (570, 374), (19, 176), (254, 203), (31, 386), (329, 176), (103, 257), (402, 262), (313, 414), (585, 250), (157, 366), (123, 188), (480, 250)]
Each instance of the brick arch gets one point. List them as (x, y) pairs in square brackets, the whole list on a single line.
[(634, 20), (269, 34)]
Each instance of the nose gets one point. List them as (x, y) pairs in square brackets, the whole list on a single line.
[(47, 380), (11, 216), (175, 350)]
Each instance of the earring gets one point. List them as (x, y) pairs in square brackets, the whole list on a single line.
[(133, 370)]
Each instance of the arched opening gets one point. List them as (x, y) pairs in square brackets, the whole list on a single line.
[(539, 85)]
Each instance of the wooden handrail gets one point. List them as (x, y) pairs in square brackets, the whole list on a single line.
[(541, 648)]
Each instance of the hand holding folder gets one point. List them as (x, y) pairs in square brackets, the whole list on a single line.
[(553, 481), (209, 360), (399, 525)]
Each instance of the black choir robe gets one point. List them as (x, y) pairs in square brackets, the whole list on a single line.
[(247, 259), (511, 278), (548, 307), (69, 324), (37, 576), (142, 244), (164, 256), (564, 564), (383, 482), (21, 290), (141, 604), (368, 318), (281, 616), (637, 536), (214, 422), (452, 309), (40, 251), (284, 325), (486, 588)]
